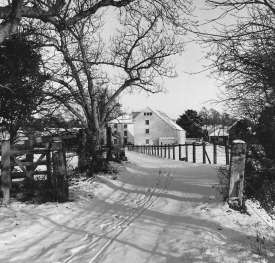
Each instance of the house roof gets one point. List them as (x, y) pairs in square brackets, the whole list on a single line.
[(164, 117), (245, 122), (135, 113), (123, 119), (168, 120), (219, 132)]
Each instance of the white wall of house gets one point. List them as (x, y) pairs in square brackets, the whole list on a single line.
[(123, 131), (181, 136), (159, 130)]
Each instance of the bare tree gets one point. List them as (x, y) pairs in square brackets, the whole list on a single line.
[(91, 66), (66, 13), (243, 56), (233, 5)]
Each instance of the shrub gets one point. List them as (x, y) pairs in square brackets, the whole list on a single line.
[(260, 178)]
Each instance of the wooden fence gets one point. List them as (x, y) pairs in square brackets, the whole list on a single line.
[(195, 152), (36, 159)]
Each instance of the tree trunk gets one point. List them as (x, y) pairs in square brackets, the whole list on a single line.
[(82, 153), (91, 159), (109, 142), (95, 143)]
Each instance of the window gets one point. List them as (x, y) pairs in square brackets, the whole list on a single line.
[(115, 132), (125, 126), (115, 141), (125, 141), (147, 141), (125, 133), (115, 125), (147, 122), (147, 131), (145, 113)]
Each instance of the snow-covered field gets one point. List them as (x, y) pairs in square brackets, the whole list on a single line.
[(155, 211)]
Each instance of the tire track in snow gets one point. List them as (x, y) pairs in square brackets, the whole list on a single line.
[(150, 197)]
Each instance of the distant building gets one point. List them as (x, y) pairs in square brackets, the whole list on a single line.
[(122, 130), (146, 127), (218, 134), (155, 127)]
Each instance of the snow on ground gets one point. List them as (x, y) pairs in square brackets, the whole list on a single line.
[(156, 211)]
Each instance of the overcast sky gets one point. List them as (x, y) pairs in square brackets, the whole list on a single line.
[(185, 91)]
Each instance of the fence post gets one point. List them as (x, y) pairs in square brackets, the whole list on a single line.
[(5, 173), (237, 168), (215, 153), (165, 150), (203, 153), (227, 154), (194, 152), (168, 151), (186, 152), (59, 178), (174, 154), (158, 150)]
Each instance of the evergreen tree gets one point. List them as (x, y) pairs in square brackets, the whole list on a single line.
[(21, 81)]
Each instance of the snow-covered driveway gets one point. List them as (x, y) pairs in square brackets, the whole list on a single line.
[(155, 211)]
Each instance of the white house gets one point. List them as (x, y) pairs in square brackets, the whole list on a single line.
[(122, 130), (155, 127)]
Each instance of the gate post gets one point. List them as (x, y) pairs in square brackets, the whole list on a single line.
[(203, 153), (5, 173), (59, 178), (29, 157), (237, 168)]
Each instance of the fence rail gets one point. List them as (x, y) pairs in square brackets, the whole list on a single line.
[(195, 152)]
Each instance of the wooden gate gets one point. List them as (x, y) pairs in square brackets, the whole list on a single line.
[(35, 159)]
